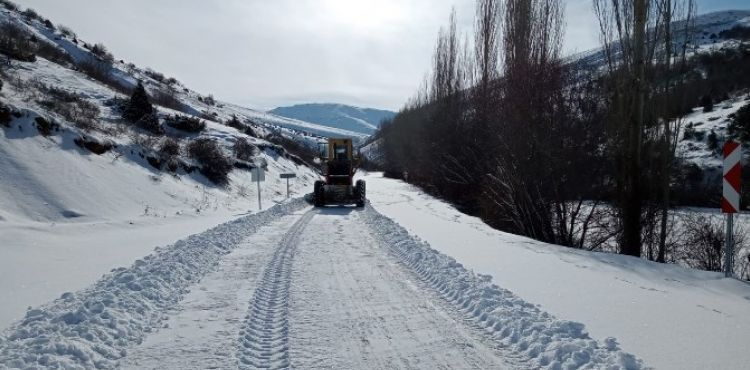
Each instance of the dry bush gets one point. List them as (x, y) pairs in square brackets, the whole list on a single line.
[(30, 14), (100, 70), (66, 31), (154, 75), (185, 123), (45, 127), (15, 42), (704, 239), (147, 142), (83, 113), (94, 145), (169, 152), (6, 115), (234, 122), (9, 5), (243, 150), (150, 123), (102, 53), (167, 99), (214, 164), (53, 53)]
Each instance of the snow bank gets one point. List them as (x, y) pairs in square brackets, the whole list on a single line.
[(94, 327), (670, 316), (521, 327)]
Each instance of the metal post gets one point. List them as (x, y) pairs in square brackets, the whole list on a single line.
[(287, 188), (729, 250), (260, 207)]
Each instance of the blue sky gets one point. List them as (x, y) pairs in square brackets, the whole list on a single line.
[(264, 54)]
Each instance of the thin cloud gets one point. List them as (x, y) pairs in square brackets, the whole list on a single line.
[(265, 54)]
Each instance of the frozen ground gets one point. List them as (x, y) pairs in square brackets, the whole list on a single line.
[(671, 317)]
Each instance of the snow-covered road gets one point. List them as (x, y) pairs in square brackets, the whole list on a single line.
[(353, 307), (312, 290), (299, 287)]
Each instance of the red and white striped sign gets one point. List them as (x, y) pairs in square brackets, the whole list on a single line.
[(730, 202)]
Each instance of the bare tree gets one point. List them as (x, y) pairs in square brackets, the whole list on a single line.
[(519, 194), (669, 11), (633, 33)]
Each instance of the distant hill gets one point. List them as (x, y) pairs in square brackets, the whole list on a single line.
[(339, 116)]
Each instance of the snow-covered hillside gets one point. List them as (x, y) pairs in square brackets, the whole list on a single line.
[(297, 126), (362, 120), (705, 36), (191, 102), (61, 203), (698, 127)]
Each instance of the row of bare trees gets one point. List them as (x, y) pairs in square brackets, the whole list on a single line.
[(644, 46), (501, 125), (507, 131)]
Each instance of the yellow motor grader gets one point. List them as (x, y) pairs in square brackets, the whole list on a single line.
[(339, 166)]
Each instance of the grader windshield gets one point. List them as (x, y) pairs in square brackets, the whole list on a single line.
[(339, 149)]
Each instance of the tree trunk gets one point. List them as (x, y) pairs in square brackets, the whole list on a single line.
[(666, 152), (632, 209)]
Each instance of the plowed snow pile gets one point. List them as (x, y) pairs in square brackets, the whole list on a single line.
[(521, 327), (92, 328)]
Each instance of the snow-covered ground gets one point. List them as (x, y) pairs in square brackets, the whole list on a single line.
[(671, 317), (322, 288), (696, 149), (418, 286), (67, 217), (60, 204)]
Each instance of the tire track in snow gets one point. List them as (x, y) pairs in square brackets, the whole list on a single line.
[(264, 341), (528, 336), (201, 332), (353, 307)]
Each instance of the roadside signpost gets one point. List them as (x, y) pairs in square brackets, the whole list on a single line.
[(287, 176), (258, 175), (730, 200)]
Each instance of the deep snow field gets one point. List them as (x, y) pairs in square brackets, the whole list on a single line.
[(671, 317)]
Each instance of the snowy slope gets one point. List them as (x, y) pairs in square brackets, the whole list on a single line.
[(61, 205), (296, 125), (362, 120), (706, 30), (671, 317), (193, 102), (695, 149)]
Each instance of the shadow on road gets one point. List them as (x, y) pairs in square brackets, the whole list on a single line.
[(337, 210)]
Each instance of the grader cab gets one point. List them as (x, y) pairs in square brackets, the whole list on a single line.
[(339, 166)]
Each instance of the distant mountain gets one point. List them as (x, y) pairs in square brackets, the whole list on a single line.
[(339, 116)]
